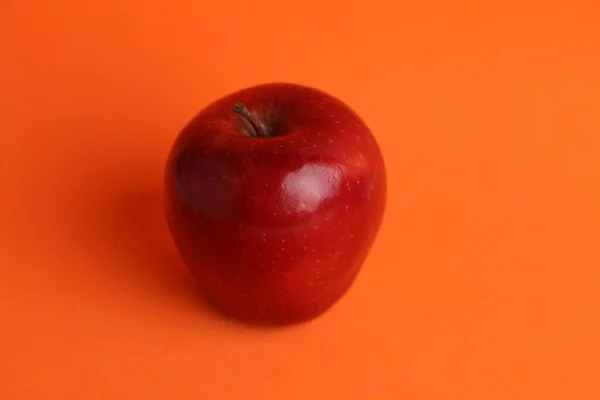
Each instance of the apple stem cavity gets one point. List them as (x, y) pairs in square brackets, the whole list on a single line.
[(257, 128)]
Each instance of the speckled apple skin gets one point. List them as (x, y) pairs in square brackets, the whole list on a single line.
[(275, 229)]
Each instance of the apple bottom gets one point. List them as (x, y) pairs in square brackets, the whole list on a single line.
[(276, 274), (276, 302)]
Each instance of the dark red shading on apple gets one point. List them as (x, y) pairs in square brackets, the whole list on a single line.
[(274, 197)]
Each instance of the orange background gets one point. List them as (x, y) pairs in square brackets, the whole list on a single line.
[(484, 282)]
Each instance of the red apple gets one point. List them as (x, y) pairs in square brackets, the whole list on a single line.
[(274, 196)]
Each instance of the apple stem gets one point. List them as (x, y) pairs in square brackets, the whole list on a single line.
[(256, 126)]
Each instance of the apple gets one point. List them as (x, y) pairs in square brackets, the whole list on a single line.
[(274, 196)]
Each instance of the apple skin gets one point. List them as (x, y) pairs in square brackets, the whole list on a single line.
[(275, 229)]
